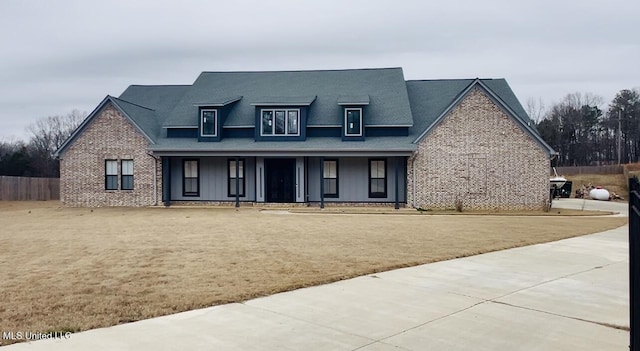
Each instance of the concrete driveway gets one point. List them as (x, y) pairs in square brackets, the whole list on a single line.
[(566, 295), (620, 208)]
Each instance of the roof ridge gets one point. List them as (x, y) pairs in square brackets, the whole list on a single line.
[(131, 103), (160, 85), (311, 70), (450, 79)]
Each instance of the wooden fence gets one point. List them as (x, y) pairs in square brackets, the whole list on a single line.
[(608, 169), (29, 189)]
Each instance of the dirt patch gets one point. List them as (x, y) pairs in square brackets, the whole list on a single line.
[(77, 269), (612, 182)]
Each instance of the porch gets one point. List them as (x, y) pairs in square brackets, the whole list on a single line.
[(300, 180)]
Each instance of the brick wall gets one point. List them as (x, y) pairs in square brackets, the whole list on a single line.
[(82, 167), (479, 155)]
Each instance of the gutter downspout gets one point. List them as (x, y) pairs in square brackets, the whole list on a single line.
[(396, 166), (413, 184)]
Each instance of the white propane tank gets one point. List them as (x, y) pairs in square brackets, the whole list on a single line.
[(599, 194)]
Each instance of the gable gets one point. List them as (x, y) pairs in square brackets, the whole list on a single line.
[(475, 123), (429, 98), (108, 102)]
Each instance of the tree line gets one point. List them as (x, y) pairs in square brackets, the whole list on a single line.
[(585, 134), (34, 158)]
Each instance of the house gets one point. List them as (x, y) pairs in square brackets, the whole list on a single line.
[(348, 137)]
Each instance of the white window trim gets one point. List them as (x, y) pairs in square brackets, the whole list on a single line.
[(215, 122), (346, 111), (286, 122)]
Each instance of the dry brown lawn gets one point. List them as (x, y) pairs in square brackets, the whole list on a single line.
[(66, 269)]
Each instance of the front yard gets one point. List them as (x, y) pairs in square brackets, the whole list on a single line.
[(75, 269)]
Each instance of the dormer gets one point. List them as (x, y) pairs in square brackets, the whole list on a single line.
[(211, 117), (282, 118), (353, 115)]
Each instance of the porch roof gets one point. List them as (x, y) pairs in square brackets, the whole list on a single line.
[(373, 146)]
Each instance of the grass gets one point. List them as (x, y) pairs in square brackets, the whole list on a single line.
[(78, 269)]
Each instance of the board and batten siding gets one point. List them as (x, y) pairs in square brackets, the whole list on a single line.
[(214, 178), (353, 180)]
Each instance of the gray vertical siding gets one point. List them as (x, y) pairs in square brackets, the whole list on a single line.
[(300, 186), (353, 180), (260, 181), (213, 179)]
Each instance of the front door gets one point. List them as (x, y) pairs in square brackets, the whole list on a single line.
[(280, 182)]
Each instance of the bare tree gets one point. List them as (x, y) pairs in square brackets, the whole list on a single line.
[(573, 128), (577, 100), (536, 109), (47, 135)]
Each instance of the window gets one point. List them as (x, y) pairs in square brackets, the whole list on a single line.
[(190, 178), (267, 122), (126, 180), (209, 123), (377, 178), (280, 122), (353, 121), (292, 122), (330, 178), (233, 180), (111, 175)]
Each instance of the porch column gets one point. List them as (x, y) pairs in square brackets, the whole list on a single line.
[(166, 180), (396, 166), (321, 182), (238, 182)]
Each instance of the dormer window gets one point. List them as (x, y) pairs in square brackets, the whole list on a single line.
[(208, 123), (353, 122), (280, 122)]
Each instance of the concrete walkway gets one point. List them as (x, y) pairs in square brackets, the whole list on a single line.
[(566, 295)]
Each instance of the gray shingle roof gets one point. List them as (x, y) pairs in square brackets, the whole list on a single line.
[(149, 105), (504, 92), (353, 100), (160, 98), (283, 100), (145, 118), (429, 98), (389, 103), (218, 102)]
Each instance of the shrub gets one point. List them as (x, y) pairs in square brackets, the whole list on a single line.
[(458, 205)]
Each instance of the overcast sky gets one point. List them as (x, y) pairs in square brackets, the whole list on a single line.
[(56, 56)]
